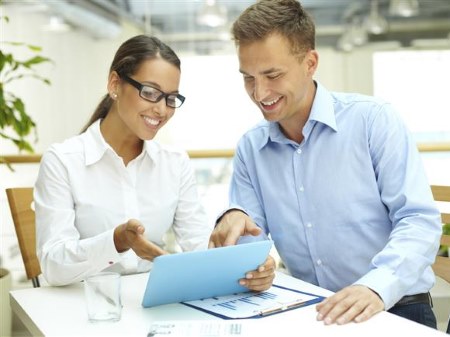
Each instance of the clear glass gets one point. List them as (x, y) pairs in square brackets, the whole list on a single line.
[(102, 292)]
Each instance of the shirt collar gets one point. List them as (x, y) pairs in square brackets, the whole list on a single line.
[(151, 149), (322, 111), (95, 146)]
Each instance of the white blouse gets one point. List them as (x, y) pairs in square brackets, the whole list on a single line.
[(84, 190)]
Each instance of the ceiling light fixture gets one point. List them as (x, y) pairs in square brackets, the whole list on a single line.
[(358, 33), (212, 15), (405, 8), (56, 24), (98, 26), (375, 23), (345, 41)]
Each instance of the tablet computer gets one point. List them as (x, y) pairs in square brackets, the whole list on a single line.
[(202, 274)]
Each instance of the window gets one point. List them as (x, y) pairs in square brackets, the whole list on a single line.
[(417, 83), (217, 111)]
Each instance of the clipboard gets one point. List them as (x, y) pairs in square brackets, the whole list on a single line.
[(202, 274), (296, 299)]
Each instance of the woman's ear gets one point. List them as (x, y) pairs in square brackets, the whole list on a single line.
[(113, 84)]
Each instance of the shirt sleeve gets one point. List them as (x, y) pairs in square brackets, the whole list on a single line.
[(191, 226), (63, 256), (242, 190), (406, 193)]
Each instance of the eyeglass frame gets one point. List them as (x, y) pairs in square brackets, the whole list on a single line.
[(139, 86)]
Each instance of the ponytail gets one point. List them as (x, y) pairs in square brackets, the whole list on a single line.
[(100, 112)]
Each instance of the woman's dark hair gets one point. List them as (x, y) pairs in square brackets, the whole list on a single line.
[(127, 60), (284, 17)]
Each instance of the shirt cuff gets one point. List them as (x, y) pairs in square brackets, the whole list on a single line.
[(103, 250), (385, 284), (232, 208)]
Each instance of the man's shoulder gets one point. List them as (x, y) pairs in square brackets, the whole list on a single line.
[(259, 129), (356, 98), (364, 106), (255, 137)]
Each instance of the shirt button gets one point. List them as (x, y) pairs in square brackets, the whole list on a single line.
[(309, 225), (299, 151), (319, 262), (301, 189)]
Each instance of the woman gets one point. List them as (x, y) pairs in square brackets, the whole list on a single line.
[(104, 199)]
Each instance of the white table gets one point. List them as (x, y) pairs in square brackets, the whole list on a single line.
[(61, 311)]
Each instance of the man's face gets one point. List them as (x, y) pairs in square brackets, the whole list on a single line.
[(276, 80)]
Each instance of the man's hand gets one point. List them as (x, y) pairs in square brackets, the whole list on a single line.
[(355, 303), (262, 278), (231, 226), (131, 235)]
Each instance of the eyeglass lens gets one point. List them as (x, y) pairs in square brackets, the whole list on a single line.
[(155, 95)]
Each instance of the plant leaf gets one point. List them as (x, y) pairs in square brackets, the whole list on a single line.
[(35, 60), (22, 144), (34, 48)]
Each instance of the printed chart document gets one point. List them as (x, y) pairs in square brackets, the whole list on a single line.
[(255, 304)]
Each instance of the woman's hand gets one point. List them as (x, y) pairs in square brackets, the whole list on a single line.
[(131, 235)]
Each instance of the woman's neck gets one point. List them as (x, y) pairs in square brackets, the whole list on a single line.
[(126, 144)]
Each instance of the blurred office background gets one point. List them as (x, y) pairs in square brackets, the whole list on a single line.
[(396, 49)]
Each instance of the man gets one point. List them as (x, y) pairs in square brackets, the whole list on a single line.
[(334, 178)]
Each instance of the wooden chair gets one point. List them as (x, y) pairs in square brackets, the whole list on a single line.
[(20, 201), (441, 266)]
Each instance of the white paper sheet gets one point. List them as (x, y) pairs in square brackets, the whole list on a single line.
[(198, 329)]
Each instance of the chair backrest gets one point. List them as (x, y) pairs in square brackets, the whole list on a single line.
[(20, 201), (441, 266)]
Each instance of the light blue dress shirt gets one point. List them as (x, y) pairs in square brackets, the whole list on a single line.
[(349, 205)]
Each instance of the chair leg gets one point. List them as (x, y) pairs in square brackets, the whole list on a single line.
[(35, 281)]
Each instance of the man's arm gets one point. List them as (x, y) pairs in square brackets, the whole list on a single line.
[(414, 238)]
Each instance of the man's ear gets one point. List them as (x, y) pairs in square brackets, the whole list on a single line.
[(312, 61)]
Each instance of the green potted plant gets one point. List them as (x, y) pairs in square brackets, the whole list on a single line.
[(15, 126), (15, 123), (443, 250)]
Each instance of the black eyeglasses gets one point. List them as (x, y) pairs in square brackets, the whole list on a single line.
[(154, 95)]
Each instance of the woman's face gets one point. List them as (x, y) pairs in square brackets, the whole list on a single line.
[(140, 116)]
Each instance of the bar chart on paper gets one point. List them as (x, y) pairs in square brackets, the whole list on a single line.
[(254, 301), (251, 304)]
